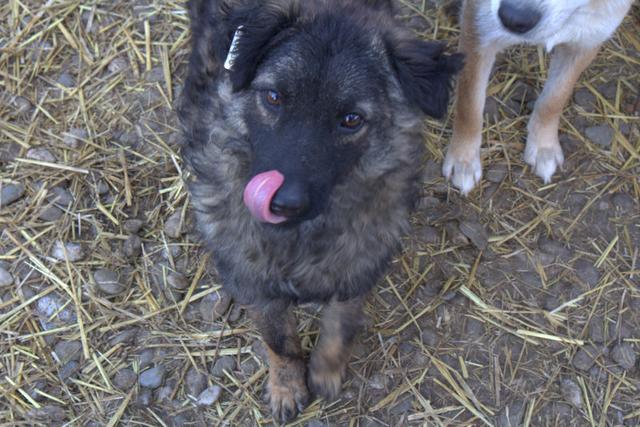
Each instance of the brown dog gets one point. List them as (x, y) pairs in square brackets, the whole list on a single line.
[(306, 153)]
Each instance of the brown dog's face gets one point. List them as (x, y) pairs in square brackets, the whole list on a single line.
[(320, 90)]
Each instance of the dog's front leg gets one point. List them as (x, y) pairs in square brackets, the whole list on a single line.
[(462, 162), (341, 322), (543, 151), (286, 388)]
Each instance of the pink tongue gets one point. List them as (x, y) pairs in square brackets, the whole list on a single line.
[(258, 195)]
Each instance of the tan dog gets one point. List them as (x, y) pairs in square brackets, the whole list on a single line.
[(572, 30)]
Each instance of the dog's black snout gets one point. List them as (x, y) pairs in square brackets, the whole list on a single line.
[(518, 19), (291, 200)]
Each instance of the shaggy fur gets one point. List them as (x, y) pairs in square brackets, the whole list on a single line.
[(362, 184), (572, 30)]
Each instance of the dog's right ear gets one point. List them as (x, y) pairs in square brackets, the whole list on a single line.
[(253, 26)]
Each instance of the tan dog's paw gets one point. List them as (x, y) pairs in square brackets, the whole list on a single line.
[(287, 393), (463, 168), (324, 380), (544, 159)]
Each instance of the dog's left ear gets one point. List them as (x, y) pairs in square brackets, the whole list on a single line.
[(425, 73)]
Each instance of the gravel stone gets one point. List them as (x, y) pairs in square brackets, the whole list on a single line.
[(49, 413), (6, 279), (623, 202), (511, 415), (50, 213), (67, 351), (145, 397), (125, 379), (152, 378), (173, 226), (126, 337), (22, 104), (624, 356), (70, 369), (601, 135), (41, 154), (49, 305), (132, 247), (214, 306), (10, 193), (224, 363), (195, 382), (74, 137), (585, 357), (177, 281), (455, 235), (146, 357), (117, 65), (209, 396), (496, 174), (378, 381), (236, 313), (429, 337), (108, 281), (554, 248), (61, 196), (476, 233), (132, 225), (571, 392), (74, 251), (67, 80), (586, 272)]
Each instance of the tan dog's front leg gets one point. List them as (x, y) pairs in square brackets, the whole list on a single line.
[(543, 151), (462, 162)]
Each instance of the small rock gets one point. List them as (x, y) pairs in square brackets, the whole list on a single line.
[(132, 225), (177, 281), (22, 104), (132, 247), (61, 196), (6, 279), (430, 338), (587, 273), (66, 80), (496, 174), (74, 251), (209, 396), (49, 414), (224, 363), (378, 381), (50, 214), (511, 415), (601, 135), (554, 248), (163, 394), (125, 379), (67, 351), (117, 65), (41, 154), (474, 328), (102, 187), (476, 233), (428, 234), (571, 392), (49, 305), (70, 369), (585, 357), (108, 281), (145, 397), (146, 358), (10, 193), (586, 99), (156, 74), (455, 235), (74, 137), (214, 306), (624, 356), (173, 225), (624, 202), (126, 337), (236, 313), (195, 382), (152, 378), (428, 202)]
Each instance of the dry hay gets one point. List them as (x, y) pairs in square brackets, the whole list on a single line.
[(490, 315)]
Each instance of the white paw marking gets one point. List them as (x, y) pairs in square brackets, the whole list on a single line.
[(464, 172), (544, 160)]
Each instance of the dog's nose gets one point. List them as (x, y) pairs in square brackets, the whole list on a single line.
[(518, 19), (291, 200)]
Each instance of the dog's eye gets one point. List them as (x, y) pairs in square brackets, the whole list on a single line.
[(273, 98), (352, 122)]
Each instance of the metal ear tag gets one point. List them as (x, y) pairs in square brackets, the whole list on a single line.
[(233, 50)]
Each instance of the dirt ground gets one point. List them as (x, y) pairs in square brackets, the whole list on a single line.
[(519, 305)]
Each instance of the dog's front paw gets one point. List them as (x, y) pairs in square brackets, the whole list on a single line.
[(462, 168), (287, 393), (325, 378), (544, 159)]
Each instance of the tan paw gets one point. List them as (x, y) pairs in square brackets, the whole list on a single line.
[(287, 393)]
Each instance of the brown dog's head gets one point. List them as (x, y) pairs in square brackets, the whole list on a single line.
[(318, 90)]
